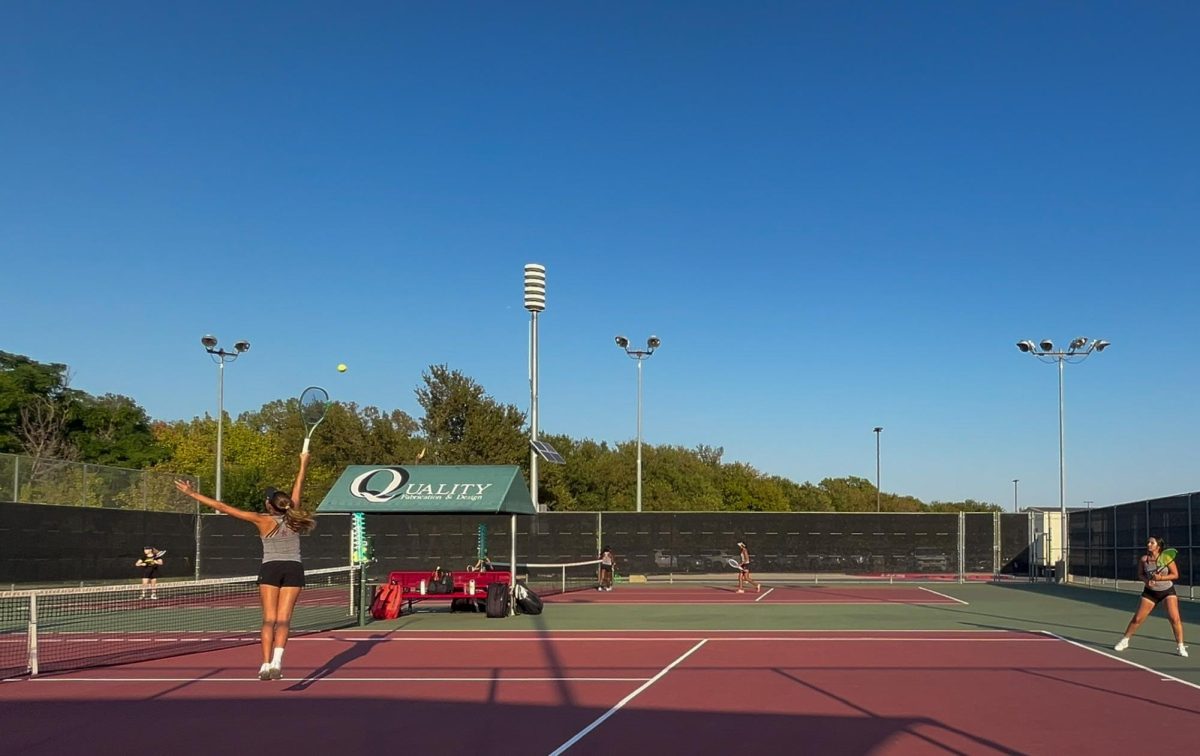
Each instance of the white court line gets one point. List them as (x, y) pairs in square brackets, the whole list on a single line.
[(1162, 675), (743, 603), (760, 598), (625, 700), (745, 638), (307, 680), (540, 635), (943, 595)]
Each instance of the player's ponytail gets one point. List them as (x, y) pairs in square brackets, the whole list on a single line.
[(299, 520), (296, 519)]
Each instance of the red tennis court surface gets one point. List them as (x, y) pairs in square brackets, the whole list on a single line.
[(807, 594), (592, 692)]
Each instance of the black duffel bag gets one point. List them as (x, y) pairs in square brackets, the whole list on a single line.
[(497, 600), (528, 602)]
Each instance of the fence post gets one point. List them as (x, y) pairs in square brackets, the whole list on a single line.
[(1191, 553), (196, 565), (1032, 539), (1116, 546), (16, 477), (962, 544), (996, 520)]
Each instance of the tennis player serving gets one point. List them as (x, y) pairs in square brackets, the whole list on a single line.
[(1158, 570), (282, 574)]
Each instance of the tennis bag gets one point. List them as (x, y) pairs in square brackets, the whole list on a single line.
[(497, 600), (528, 602), (386, 602)]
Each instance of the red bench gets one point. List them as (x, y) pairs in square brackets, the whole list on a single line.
[(410, 585)]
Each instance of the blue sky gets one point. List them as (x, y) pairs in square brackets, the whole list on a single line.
[(835, 216)]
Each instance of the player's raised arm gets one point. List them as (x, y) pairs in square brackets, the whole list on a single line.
[(298, 486), (185, 487)]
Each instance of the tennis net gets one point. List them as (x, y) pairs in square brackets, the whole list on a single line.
[(562, 577), (62, 629)]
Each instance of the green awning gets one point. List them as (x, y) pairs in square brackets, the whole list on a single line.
[(430, 489)]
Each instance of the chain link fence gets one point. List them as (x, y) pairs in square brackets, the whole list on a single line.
[(38, 480)]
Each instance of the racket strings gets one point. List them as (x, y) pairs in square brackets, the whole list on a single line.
[(313, 403)]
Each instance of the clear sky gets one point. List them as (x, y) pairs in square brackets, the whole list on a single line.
[(835, 215)]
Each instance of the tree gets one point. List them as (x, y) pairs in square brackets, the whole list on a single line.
[(22, 381), (113, 430), (465, 426)]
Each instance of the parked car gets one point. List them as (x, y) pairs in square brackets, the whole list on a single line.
[(714, 560), (666, 560), (931, 559)]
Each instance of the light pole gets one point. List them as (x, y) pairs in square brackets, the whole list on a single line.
[(1015, 507), (535, 302), (220, 356), (878, 429), (640, 355), (1077, 351)]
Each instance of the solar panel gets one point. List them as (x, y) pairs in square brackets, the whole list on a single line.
[(546, 452)]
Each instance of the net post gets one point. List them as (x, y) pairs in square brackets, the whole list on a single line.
[(362, 595), (32, 636)]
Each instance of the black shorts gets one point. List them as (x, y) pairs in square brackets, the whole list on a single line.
[(606, 569), (745, 567), (150, 572), (282, 574), (1157, 596)]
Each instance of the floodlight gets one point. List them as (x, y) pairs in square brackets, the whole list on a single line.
[(622, 342), (1047, 345), (1079, 343), (209, 341), (1100, 345), (242, 346), (654, 342), (1026, 346)]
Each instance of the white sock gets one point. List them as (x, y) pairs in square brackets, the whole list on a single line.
[(277, 658)]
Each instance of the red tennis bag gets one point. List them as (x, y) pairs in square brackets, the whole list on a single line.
[(385, 604)]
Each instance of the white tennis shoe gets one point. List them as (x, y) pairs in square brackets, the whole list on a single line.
[(1182, 650), (275, 673), (1121, 645), (264, 672)]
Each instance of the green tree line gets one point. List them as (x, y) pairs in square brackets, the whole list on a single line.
[(41, 416)]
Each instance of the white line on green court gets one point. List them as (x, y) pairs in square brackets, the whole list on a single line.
[(943, 595)]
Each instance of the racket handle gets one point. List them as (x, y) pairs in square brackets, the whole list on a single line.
[(304, 449)]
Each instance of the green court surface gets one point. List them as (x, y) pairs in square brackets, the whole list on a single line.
[(1092, 617)]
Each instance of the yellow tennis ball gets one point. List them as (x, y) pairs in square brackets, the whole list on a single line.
[(342, 368)]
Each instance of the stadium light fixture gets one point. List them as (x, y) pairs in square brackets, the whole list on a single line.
[(220, 356), (1078, 351), (641, 355)]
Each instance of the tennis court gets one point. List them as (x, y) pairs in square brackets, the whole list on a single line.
[(988, 669)]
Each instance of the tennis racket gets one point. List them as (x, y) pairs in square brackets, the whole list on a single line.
[(160, 554), (1165, 559), (313, 404), (735, 564)]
